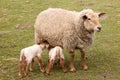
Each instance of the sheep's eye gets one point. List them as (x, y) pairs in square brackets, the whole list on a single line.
[(89, 19)]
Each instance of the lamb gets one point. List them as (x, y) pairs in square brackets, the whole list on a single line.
[(55, 56), (27, 57), (70, 30)]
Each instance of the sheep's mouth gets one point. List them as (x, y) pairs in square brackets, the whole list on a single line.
[(99, 30)]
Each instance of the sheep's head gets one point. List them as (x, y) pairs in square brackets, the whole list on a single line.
[(91, 21)]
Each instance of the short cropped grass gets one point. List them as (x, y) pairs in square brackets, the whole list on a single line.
[(103, 58)]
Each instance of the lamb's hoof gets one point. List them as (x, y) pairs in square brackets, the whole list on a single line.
[(31, 70), (73, 70), (26, 74), (47, 73), (42, 70), (20, 75), (65, 70), (85, 68)]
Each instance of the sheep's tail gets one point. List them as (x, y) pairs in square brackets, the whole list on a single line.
[(22, 57)]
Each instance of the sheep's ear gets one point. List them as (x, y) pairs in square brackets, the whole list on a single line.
[(84, 17), (102, 15)]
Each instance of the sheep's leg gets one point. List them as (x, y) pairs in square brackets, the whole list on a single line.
[(31, 65), (40, 64), (85, 67), (72, 68), (20, 69), (62, 63), (49, 66)]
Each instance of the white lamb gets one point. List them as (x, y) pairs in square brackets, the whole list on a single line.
[(55, 55), (27, 57)]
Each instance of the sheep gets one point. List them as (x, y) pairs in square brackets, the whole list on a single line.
[(27, 57), (70, 30), (55, 56)]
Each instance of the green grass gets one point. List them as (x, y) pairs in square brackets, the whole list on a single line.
[(103, 58)]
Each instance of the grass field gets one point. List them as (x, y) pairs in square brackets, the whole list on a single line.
[(103, 58)]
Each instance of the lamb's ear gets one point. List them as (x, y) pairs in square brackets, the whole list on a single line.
[(102, 15), (84, 17), (48, 60)]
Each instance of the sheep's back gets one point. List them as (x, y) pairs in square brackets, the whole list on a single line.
[(55, 24)]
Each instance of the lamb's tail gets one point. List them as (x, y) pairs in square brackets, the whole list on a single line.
[(57, 56), (58, 53), (22, 57)]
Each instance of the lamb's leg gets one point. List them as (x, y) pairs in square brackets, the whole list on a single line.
[(85, 67), (62, 63), (31, 65), (49, 66), (72, 68), (20, 69), (40, 64), (25, 68), (26, 74)]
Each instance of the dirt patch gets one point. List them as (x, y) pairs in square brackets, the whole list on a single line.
[(87, 4), (118, 15), (118, 22), (84, 3), (107, 75), (4, 32), (19, 26), (91, 3), (11, 46), (109, 5), (11, 59)]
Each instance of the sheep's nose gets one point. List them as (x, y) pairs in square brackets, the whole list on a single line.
[(99, 28)]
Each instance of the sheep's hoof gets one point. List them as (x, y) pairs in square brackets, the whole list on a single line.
[(85, 68), (65, 70), (72, 69)]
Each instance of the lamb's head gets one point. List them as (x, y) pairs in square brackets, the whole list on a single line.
[(91, 21)]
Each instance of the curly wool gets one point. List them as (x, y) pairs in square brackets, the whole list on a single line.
[(60, 27)]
